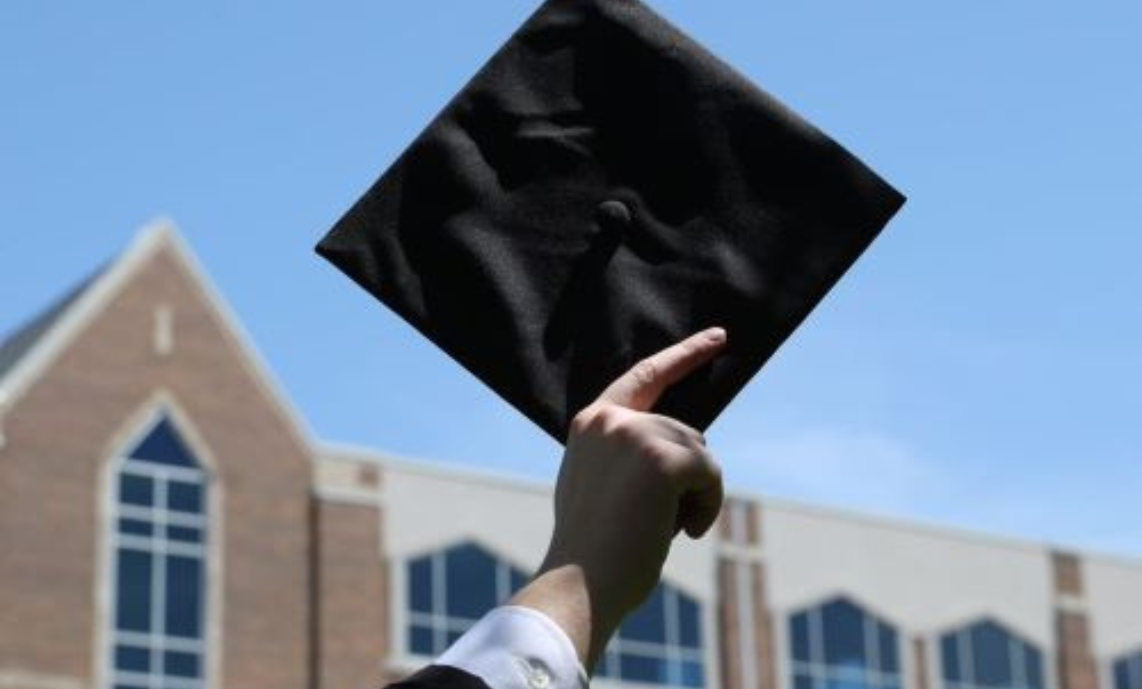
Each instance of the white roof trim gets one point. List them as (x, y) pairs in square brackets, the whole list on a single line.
[(95, 298), (508, 481), (450, 471), (232, 326)]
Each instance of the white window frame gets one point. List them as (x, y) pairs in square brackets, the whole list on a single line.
[(1133, 670), (966, 669), (672, 652), (161, 404), (821, 672), (438, 620)]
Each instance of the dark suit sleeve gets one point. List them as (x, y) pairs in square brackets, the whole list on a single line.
[(440, 677)]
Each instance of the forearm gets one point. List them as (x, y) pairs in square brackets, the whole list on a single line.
[(564, 594)]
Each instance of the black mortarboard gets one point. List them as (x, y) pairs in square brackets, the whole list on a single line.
[(603, 188)]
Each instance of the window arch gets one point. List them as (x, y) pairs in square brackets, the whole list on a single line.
[(450, 590), (659, 643), (838, 645), (1128, 671), (985, 655), (159, 554)]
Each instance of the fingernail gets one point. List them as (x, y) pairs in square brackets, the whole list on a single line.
[(716, 335)]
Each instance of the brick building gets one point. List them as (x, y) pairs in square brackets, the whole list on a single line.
[(166, 523)]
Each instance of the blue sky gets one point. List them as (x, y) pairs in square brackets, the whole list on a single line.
[(980, 367)]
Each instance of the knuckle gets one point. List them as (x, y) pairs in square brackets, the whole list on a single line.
[(607, 418), (705, 460), (659, 457), (645, 372), (583, 421), (628, 433)]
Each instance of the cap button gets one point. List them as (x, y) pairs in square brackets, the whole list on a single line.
[(613, 214)]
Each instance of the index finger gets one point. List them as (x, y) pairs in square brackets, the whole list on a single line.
[(640, 387)]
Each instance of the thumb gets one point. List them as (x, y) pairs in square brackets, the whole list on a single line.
[(640, 387)]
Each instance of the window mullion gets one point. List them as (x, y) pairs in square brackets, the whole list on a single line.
[(673, 640), (1018, 656), (439, 603), (871, 647), (159, 582), (503, 582), (967, 657), (816, 645)]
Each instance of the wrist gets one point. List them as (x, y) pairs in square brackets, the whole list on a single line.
[(565, 595)]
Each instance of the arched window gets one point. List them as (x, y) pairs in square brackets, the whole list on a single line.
[(1128, 672), (450, 590), (158, 565), (987, 656), (839, 645), (660, 643)]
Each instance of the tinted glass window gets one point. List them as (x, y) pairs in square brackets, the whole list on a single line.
[(844, 635), (887, 648), (1128, 672), (135, 527), (134, 591), (420, 585), (986, 655), (132, 659), (158, 641), (660, 643), (163, 445), (181, 664), (693, 674), (450, 590), (639, 668), (518, 579), (184, 596), (187, 534), (420, 641), (136, 490), (689, 623), (1033, 667), (471, 582), (648, 622), (839, 645), (184, 497), (950, 650), (799, 637), (991, 653)]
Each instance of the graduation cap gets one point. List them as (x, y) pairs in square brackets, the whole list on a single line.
[(601, 189)]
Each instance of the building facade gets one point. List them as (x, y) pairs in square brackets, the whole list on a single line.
[(166, 522)]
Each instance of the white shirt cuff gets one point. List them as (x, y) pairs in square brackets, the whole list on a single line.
[(514, 647)]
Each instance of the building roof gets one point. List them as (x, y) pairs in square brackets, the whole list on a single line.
[(14, 346), (30, 350), (34, 339), (332, 451)]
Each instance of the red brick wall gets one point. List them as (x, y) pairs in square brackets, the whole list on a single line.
[(741, 557), (1077, 669), (60, 434), (353, 612), (919, 650), (1076, 665)]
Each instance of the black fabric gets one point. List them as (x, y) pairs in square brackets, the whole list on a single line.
[(440, 677), (601, 189)]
